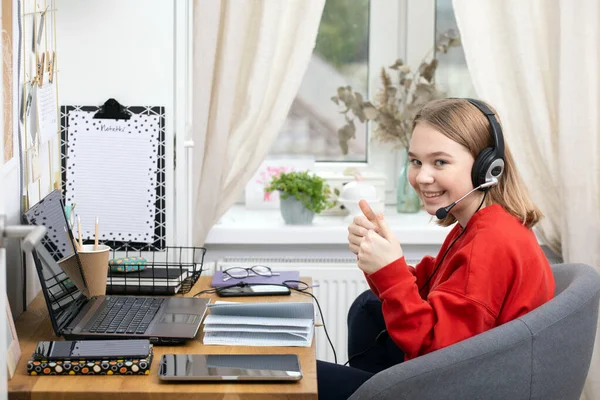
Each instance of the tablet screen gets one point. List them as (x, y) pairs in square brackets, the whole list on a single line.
[(230, 367)]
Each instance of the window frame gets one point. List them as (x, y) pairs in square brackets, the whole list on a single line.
[(397, 29)]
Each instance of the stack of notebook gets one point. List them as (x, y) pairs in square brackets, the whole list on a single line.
[(260, 324)]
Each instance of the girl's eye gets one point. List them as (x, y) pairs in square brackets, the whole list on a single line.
[(440, 163), (415, 162)]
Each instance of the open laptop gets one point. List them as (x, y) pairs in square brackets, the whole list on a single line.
[(162, 320)]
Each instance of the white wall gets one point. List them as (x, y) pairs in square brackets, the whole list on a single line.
[(119, 49), (108, 49)]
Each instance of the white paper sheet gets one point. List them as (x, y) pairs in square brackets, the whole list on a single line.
[(34, 163), (255, 339), (271, 310), (111, 174), (47, 110), (253, 328), (257, 321)]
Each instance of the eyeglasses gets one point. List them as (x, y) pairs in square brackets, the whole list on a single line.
[(241, 273)]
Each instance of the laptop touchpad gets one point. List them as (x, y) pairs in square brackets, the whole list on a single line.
[(176, 318)]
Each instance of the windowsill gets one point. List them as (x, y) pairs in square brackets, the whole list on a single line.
[(242, 226)]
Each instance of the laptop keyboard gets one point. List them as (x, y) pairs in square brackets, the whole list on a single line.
[(126, 314)]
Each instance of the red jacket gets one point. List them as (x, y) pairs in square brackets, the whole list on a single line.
[(494, 273)]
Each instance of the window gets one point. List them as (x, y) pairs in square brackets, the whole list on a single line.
[(452, 72), (377, 27), (340, 58), (355, 39)]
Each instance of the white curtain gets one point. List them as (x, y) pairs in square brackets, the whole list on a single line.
[(538, 63), (249, 60)]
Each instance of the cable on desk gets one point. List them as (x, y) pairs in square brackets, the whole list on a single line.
[(304, 291), (287, 284)]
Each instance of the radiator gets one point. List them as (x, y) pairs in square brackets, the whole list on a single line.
[(339, 282)]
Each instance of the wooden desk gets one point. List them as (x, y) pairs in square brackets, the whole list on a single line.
[(34, 325)]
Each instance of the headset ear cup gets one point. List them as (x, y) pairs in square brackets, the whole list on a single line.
[(481, 165)]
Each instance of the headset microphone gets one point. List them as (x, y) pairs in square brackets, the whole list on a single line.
[(442, 213)]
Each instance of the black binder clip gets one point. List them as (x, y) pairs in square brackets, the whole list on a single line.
[(112, 110)]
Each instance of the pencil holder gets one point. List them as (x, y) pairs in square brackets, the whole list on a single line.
[(94, 265)]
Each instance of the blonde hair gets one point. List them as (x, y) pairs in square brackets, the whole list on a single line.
[(465, 124)]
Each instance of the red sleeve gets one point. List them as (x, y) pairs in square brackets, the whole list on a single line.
[(423, 269), (419, 271), (420, 326)]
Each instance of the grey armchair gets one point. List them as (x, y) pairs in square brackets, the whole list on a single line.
[(543, 355)]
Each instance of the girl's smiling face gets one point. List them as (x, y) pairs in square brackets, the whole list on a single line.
[(440, 172)]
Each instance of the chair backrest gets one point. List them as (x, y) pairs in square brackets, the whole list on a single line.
[(545, 354), (563, 331)]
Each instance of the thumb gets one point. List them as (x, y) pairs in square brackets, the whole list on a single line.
[(386, 232), (367, 211)]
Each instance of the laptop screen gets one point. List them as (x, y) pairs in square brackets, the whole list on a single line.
[(56, 249)]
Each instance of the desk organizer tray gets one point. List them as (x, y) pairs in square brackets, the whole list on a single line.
[(166, 272), (124, 366)]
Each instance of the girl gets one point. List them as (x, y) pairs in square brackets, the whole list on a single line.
[(490, 269)]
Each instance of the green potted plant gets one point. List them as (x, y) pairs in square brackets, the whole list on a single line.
[(302, 196)]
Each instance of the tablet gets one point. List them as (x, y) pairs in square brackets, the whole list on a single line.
[(229, 367), (253, 290)]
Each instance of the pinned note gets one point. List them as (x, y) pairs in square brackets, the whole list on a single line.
[(47, 111), (35, 164)]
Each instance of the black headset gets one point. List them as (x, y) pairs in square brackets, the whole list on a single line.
[(489, 163)]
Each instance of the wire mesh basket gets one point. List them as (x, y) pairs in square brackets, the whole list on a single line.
[(166, 272)]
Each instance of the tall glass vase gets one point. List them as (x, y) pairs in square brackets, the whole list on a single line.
[(407, 200)]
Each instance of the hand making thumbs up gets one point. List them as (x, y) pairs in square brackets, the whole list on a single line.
[(375, 251), (360, 226)]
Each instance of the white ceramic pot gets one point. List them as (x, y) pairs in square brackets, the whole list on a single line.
[(355, 191)]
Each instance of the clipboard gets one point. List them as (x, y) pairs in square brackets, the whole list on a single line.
[(112, 109)]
